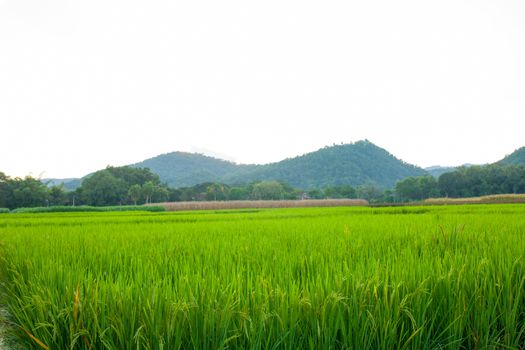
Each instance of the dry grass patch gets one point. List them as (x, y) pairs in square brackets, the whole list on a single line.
[(218, 205), (496, 198)]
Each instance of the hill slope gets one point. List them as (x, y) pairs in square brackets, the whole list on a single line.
[(349, 164), (516, 157), (70, 184), (180, 169), (438, 170)]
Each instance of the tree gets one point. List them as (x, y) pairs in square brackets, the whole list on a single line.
[(239, 193), (147, 191), (417, 188), (268, 190), (28, 192), (342, 191), (133, 175), (315, 194), (407, 189), (119, 185), (57, 195), (103, 188), (160, 194), (6, 192), (134, 193), (216, 192), (370, 192)]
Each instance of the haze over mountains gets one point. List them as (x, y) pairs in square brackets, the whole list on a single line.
[(355, 164), (437, 170)]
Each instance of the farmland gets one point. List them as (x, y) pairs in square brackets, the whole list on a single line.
[(447, 277)]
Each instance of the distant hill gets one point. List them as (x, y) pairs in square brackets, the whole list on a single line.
[(353, 164), (70, 184), (516, 157), (349, 164), (438, 170), (180, 169)]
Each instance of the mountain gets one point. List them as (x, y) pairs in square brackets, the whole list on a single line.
[(180, 169), (348, 164), (516, 157), (353, 164)]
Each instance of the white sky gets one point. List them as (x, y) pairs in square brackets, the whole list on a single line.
[(84, 84)]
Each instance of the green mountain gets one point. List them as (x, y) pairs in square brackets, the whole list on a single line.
[(180, 169), (350, 164), (516, 157), (353, 164)]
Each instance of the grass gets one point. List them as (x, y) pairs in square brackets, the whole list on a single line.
[(309, 278), (86, 208)]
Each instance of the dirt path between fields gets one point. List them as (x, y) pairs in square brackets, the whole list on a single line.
[(3, 342)]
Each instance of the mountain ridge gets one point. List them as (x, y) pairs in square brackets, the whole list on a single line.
[(516, 157), (355, 164)]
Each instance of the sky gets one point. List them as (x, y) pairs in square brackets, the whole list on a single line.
[(86, 84)]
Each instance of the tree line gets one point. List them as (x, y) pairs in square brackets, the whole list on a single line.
[(133, 186), (464, 182), (111, 186)]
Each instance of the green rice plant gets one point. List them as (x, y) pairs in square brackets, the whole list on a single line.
[(311, 278), (86, 208)]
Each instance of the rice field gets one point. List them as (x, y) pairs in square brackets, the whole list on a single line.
[(447, 277)]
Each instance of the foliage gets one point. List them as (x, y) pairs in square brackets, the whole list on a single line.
[(57, 196), (472, 181), (4, 210), (370, 192), (135, 193), (210, 191), (343, 191), (515, 158), (349, 164), (122, 185), (180, 169), (483, 180), (103, 188), (268, 190), (417, 188), (28, 192), (354, 164), (336, 278)]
